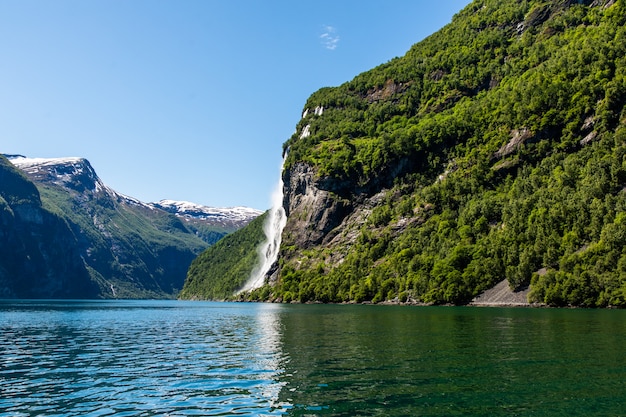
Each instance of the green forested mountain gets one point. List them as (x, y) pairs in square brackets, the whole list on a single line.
[(493, 149), (221, 270)]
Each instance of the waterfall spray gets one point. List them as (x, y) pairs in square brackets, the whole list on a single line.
[(273, 228)]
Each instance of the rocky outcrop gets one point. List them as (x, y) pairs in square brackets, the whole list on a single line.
[(518, 138), (386, 91), (313, 211)]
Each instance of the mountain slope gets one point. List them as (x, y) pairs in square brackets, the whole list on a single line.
[(129, 249), (38, 249), (221, 270), (493, 149)]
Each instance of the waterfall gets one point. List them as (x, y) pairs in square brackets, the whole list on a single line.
[(273, 228)]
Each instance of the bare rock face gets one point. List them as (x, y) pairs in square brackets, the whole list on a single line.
[(328, 212), (388, 90), (313, 211), (518, 138)]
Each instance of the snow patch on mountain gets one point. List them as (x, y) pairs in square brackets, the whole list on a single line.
[(78, 175), (186, 209), (24, 162), (70, 172)]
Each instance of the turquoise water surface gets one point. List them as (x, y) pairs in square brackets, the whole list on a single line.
[(174, 358)]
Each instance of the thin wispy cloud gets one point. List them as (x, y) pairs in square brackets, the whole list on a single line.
[(329, 37)]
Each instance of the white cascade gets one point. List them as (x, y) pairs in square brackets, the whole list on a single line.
[(273, 228)]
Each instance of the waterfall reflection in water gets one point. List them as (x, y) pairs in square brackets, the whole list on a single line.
[(149, 358), (139, 358)]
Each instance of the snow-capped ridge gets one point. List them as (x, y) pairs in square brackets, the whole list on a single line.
[(189, 209), (24, 162), (77, 175), (70, 172)]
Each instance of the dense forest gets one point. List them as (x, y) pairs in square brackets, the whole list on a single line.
[(495, 148), (222, 269)]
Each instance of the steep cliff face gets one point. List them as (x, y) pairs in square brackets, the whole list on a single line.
[(39, 251), (313, 212)]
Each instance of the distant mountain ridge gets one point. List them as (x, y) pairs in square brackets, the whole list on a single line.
[(78, 173), (230, 217), (128, 248)]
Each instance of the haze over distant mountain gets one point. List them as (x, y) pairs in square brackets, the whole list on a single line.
[(73, 236), (495, 149)]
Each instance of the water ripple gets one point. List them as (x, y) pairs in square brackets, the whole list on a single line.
[(139, 361)]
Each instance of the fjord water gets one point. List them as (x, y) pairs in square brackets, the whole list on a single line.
[(168, 358)]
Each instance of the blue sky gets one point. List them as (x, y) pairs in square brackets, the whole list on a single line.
[(186, 100)]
